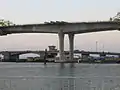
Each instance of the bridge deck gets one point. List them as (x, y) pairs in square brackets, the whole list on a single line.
[(42, 52), (79, 27)]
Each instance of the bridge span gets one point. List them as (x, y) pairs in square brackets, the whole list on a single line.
[(61, 29), (14, 55)]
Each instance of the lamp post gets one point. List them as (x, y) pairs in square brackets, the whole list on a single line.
[(96, 45), (103, 47)]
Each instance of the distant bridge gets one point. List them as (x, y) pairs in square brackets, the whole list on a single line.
[(14, 55), (67, 52)]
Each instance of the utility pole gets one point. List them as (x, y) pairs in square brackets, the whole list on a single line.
[(45, 56), (103, 47), (96, 45)]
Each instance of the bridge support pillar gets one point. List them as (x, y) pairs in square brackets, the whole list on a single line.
[(42, 55), (118, 56), (85, 56), (61, 44), (102, 55), (71, 46), (14, 58), (6, 56), (10, 58)]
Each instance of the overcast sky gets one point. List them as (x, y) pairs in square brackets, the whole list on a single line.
[(39, 11)]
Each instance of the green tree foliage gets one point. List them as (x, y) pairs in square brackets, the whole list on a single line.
[(5, 23)]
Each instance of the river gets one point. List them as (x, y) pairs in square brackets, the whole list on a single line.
[(54, 76)]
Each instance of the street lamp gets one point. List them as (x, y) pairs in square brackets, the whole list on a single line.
[(103, 47), (96, 45)]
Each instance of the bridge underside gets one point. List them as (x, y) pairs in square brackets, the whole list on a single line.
[(67, 28)]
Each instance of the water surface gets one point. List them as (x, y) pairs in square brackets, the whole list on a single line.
[(37, 76)]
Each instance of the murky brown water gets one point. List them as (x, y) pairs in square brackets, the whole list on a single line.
[(36, 76)]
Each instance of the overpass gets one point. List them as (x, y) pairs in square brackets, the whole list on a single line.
[(62, 28), (14, 55)]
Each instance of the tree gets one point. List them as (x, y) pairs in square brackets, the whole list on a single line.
[(111, 19), (5, 23), (116, 18)]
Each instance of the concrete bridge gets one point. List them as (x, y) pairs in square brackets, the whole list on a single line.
[(14, 55), (62, 28)]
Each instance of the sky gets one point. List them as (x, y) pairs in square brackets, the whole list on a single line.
[(39, 11)]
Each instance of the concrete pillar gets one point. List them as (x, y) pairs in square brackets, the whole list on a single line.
[(71, 45), (6, 56), (118, 56), (42, 55), (14, 58), (85, 56), (102, 55), (61, 44)]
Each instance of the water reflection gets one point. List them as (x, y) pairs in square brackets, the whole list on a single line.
[(59, 77), (67, 83)]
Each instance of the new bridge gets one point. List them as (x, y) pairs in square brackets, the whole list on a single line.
[(62, 28)]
